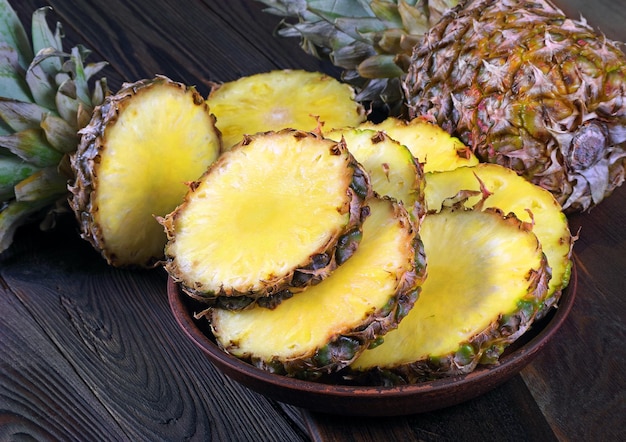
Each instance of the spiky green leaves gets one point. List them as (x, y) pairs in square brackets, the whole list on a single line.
[(371, 40), (45, 99)]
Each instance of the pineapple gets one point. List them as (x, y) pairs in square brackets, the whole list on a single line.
[(323, 329), (473, 304), (272, 216), (517, 81), (393, 170), (529, 89), (45, 98), (282, 99), (530, 203), (428, 142), (136, 156)]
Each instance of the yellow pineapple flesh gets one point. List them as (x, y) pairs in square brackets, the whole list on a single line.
[(393, 170), (486, 278), (136, 155), (282, 99), (513, 193), (324, 328), (274, 214), (428, 142)]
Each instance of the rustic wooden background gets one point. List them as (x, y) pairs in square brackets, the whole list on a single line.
[(88, 352)]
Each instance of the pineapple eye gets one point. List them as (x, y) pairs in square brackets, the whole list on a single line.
[(587, 145)]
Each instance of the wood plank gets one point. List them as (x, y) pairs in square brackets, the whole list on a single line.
[(192, 42), (507, 413), (39, 386), (119, 356)]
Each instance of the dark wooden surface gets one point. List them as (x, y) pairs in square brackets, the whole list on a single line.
[(90, 353)]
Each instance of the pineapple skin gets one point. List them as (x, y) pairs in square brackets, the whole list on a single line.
[(530, 89)]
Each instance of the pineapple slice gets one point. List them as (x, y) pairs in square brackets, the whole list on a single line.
[(393, 170), (530, 203), (428, 142), (282, 99), (323, 329), (273, 215), (486, 278), (135, 156)]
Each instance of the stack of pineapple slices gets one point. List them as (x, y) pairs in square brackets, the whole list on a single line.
[(379, 253)]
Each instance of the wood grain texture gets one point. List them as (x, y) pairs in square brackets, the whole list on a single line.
[(92, 353), (194, 42), (507, 413)]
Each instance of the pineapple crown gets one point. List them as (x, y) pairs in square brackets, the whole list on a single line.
[(45, 99), (371, 40)]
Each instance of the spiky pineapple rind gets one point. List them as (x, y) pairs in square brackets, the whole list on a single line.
[(530, 89)]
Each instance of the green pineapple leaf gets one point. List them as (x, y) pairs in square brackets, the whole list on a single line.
[(12, 171), (12, 84), (13, 34), (31, 146)]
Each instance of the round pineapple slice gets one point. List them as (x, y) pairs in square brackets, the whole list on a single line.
[(135, 157), (323, 329), (271, 216), (393, 170), (428, 142), (530, 203), (486, 278), (282, 99)]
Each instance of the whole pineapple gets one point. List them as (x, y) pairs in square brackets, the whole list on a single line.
[(45, 99), (516, 80), (529, 89)]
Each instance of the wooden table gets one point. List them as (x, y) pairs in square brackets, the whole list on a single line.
[(91, 353)]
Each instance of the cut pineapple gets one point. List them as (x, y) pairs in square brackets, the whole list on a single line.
[(393, 170), (325, 328), (273, 215), (282, 99), (530, 203), (486, 278), (428, 142), (140, 148)]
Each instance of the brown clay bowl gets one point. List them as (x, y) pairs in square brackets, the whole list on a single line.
[(376, 400)]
